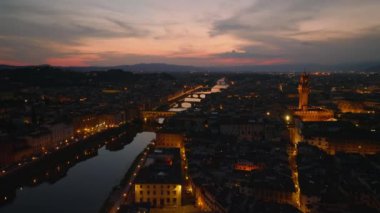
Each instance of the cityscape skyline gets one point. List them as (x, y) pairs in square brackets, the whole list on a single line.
[(201, 33), (218, 106)]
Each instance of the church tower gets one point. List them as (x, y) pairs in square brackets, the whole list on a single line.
[(303, 92)]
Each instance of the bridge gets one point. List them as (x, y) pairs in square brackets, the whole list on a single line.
[(150, 115), (184, 93)]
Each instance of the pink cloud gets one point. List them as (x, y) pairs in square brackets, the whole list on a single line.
[(69, 61), (14, 63), (78, 61)]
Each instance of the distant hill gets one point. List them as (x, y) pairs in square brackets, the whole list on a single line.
[(141, 68), (160, 67), (49, 76), (362, 67), (7, 67), (375, 68)]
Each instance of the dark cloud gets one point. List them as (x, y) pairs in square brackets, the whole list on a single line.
[(25, 50), (31, 32), (297, 31), (269, 17), (67, 30), (272, 27)]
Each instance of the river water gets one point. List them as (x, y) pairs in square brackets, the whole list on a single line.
[(84, 186)]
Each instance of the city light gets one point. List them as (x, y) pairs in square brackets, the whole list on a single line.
[(189, 139)]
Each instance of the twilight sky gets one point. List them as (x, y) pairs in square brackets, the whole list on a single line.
[(189, 32)]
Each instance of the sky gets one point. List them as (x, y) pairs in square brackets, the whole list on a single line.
[(189, 32)]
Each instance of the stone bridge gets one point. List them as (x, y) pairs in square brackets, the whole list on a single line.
[(149, 115)]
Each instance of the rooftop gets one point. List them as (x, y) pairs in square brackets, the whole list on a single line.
[(162, 166), (339, 131)]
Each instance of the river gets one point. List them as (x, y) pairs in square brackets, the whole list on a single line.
[(84, 186)]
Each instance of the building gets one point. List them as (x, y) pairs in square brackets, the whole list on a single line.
[(41, 141), (303, 91), (247, 166), (244, 130), (160, 181), (166, 139), (61, 132), (340, 137), (310, 113), (205, 200), (350, 107)]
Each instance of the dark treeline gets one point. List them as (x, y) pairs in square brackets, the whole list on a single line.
[(47, 76)]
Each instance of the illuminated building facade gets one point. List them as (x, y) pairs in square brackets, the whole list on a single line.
[(158, 195), (169, 140), (351, 107), (355, 147), (303, 91), (333, 137), (205, 200), (305, 112), (246, 166), (160, 181)]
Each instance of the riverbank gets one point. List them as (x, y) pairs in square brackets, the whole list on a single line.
[(53, 167), (83, 185), (122, 193)]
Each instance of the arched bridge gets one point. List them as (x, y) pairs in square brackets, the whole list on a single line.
[(149, 115)]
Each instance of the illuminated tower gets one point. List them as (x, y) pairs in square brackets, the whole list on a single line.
[(303, 92)]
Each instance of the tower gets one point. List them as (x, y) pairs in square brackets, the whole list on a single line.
[(303, 92)]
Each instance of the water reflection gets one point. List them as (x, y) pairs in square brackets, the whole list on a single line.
[(61, 183)]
